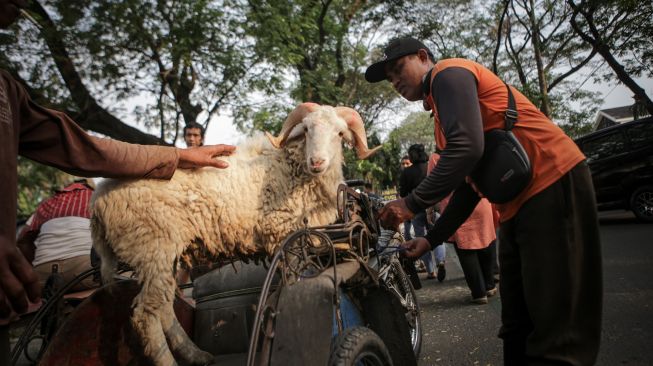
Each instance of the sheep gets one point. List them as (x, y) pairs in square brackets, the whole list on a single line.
[(271, 185)]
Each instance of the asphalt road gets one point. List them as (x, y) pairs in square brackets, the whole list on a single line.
[(458, 333)]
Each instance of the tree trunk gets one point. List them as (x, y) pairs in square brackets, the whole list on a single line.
[(545, 103), (495, 68)]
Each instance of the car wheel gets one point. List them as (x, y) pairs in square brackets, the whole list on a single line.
[(359, 346), (641, 203)]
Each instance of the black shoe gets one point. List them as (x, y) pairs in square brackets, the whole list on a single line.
[(442, 272)]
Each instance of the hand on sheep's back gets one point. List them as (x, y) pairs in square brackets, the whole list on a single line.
[(197, 157)]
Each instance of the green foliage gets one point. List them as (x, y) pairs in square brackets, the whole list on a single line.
[(417, 128), (580, 120), (321, 48), (165, 63), (35, 183), (161, 63), (469, 29)]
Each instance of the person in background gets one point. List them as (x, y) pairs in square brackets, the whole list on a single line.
[(194, 134), (405, 163), (58, 237), (551, 278), (474, 242), (440, 251), (50, 137), (409, 179)]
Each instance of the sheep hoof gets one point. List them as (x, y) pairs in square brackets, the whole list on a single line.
[(196, 357), (199, 358)]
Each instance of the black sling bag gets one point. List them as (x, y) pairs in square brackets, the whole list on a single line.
[(504, 170)]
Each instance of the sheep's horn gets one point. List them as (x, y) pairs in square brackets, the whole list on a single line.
[(355, 123), (295, 117)]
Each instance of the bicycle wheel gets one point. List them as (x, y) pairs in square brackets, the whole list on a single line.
[(398, 283)]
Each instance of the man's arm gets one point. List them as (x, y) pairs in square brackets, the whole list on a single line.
[(52, 138), (462, 203), (455, 93), (25, 243)]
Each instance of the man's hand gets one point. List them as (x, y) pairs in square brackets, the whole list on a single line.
[(197, 157), (416, 248), (18, 281), (394, 213)]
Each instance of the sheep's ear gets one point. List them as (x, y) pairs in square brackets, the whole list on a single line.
[(297, 131), (348, 138)]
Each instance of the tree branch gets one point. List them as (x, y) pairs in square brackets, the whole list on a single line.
[(91, 116)]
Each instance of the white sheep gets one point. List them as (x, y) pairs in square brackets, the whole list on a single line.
[(269, 188)]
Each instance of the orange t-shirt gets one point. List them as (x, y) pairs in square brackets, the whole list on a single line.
[(477, 232), (551, 152)]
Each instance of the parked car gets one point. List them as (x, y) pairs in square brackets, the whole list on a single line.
[(621, 160)]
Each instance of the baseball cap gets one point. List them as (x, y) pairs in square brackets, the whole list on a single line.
[(397, 48)]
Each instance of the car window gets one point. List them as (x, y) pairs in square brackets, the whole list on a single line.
[(641, 135), (604, 146)]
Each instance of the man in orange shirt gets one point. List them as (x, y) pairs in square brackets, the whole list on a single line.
[(550, 258)]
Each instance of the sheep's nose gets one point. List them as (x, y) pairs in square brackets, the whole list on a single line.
[(316, 162)]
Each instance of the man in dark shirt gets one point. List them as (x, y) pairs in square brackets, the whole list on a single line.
[(410, 178)]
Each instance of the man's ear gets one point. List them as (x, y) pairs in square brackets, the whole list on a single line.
[(423, 55)]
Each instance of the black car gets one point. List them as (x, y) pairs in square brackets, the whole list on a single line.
[(621, 160)]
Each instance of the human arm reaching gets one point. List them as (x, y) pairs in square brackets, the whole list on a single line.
[(52, 138)]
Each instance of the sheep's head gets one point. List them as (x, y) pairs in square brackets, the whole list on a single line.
[(324, 128)]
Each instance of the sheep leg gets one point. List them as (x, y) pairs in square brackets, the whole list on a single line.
[(156, 294), (180, 343)]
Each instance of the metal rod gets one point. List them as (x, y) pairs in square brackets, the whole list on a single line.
[(30, 18)]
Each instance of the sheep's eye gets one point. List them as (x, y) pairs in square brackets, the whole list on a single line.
[(341, 133), (305, 129)]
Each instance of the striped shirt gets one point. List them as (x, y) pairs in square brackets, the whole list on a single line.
[(72, 200)]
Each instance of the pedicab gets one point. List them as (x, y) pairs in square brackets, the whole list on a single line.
[(334, 294)]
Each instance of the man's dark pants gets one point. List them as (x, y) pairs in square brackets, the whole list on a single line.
[(551, 276)]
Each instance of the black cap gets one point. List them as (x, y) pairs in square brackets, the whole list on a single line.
[(397, 48)]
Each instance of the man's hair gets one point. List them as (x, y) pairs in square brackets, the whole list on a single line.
[(405, 157), (195, 125), (417, 154)]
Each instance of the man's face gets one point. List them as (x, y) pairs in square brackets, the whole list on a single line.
[(405, 163), (406, 74), (193, 137), (9, 11)]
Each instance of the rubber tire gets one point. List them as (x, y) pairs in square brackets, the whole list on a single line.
[(641, 193), (357, 342)]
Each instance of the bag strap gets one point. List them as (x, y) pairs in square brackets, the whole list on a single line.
[(511, 115)]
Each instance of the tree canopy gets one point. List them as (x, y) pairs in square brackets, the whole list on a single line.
[(139, 70)]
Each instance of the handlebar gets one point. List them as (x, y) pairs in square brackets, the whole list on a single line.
[(355, 182)]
